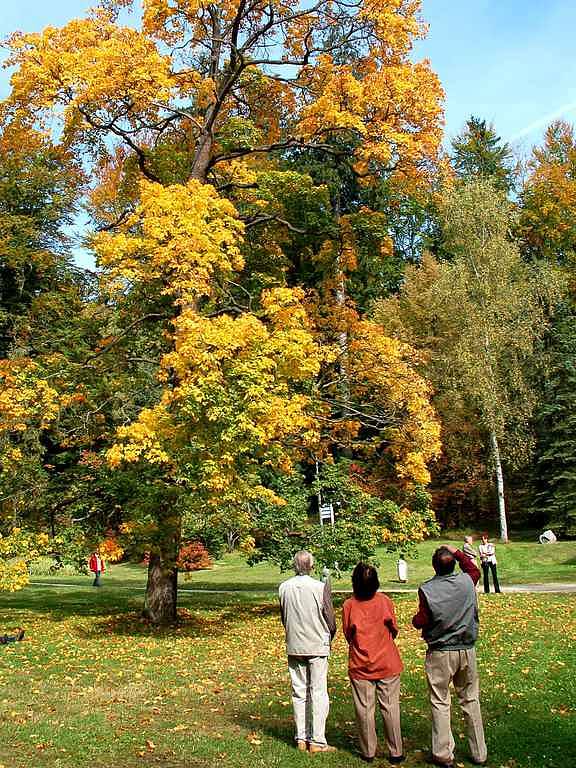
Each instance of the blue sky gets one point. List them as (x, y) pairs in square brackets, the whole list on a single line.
[(509, 61), (512, 62)]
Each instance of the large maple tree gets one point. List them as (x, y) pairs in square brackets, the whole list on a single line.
[(184, 123)]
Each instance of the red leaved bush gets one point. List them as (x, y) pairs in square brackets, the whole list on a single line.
[(193, 556)]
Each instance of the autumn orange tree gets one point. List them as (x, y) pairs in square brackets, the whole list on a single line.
[(548, 198), (191, 123)]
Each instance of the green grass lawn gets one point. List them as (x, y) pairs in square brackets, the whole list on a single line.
[(94, 685), (519, 562)]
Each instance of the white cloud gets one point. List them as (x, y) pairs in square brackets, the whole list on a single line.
[(543, 121)]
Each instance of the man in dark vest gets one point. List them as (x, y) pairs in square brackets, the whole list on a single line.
[(448, 618)]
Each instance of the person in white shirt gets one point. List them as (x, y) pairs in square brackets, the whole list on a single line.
[(487, 552), (310, 624)]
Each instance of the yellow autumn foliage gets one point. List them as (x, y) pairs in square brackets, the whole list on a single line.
[(237, 389), (383, 370), (16, 550), (180, 235), (26, 399), (136, 84), (83, 64)]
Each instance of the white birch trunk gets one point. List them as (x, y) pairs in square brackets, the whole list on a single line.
[(499, 487)]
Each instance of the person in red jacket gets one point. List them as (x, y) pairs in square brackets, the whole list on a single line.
[(374, 664), (97, 566)]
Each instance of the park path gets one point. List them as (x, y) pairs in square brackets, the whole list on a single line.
[(513, 588)]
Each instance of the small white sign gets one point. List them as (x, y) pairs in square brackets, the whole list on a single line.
[(326, 514)]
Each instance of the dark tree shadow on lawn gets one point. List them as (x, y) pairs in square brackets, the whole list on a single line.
[(120, 614), (189, 624)]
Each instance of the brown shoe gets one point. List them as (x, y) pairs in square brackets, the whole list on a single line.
[(302, 745), (313, 748)]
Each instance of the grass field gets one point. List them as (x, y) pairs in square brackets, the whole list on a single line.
[(519, 562), (94, 685)]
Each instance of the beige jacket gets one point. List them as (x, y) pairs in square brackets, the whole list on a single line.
[(307, 615)]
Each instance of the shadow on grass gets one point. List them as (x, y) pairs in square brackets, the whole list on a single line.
[(117, 612), (231, 586), (279, 725)]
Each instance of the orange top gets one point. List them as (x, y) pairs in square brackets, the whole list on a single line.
[(370, 628)]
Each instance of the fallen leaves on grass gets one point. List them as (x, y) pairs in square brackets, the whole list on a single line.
[(115, 681)]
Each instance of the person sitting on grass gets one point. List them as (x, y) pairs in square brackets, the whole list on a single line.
[(5, 639), (374, 664)]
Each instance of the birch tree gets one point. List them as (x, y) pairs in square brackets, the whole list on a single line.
[(480, 318)]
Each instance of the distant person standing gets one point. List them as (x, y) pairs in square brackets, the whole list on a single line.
[(374, 664), (310, 625), (469, 550), (97, 566), (487, 552)]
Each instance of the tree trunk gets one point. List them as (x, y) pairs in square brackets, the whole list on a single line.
[(201, 158), (499, 487), (161, 591), (342, 338)]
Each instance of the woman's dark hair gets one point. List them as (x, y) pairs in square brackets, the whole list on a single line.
[(365, 581)]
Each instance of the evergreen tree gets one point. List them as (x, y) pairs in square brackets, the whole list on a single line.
[(479, 152), (556, 464)]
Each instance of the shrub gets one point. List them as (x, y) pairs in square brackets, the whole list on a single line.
[(194, 556)]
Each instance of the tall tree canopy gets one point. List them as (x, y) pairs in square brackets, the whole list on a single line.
[(548, 199), (226, 80), (227, 263)]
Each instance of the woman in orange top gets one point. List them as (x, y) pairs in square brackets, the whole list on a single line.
[(374, 664)]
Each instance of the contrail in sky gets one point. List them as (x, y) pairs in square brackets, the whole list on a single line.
[(543, 121)]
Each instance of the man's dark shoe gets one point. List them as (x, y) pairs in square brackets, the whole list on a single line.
[(478, 762), (440, 763), (367, 759), (396, 759)]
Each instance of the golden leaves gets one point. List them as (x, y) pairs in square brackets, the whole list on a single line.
[(26, 399), (17, 549), (182, 236), (86, 67), (384, 372), (232, 396), (549, 196)]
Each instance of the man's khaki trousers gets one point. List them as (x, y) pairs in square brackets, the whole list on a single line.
[(458, 667), (309, 677), (365, 693)]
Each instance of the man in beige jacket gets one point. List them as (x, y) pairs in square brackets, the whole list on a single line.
[(310, 624)]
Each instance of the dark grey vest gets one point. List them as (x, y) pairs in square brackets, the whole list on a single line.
[(454, 609)]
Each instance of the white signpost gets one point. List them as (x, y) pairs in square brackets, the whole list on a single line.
[(326, 514)]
